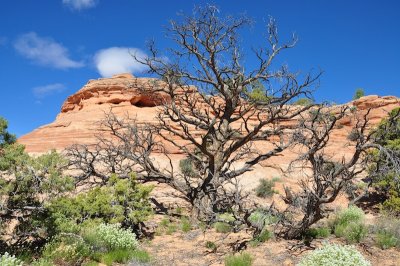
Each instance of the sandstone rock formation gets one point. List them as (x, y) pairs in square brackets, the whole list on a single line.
[(78, 121)]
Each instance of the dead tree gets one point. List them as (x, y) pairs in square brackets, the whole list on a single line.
[(325, 177), (219, 109)]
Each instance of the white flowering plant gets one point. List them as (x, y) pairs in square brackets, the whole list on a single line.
[(9, 260), (334, 255), (114, 237)]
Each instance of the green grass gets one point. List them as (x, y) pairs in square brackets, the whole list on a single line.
[(222, 227), (243, 259), (385, 240), (186, 226)]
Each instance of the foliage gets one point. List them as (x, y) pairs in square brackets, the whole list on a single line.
[(222, 227), (303, 102), (186, 225), (67, 249), (259, 219), (8, 260), (334, 255), (211, 245), (263, 236), (349, 223), (113, 237), (385, 239), (319, 232), (119, 201), (358, 94), (26, 185), (242, 259), (6, 138), (385, 176), (265, 188), (387, 232)]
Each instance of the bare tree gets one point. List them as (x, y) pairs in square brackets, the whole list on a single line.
[(325, 177), (217, 111)]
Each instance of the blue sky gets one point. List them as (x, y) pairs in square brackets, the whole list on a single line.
[(50, 48)]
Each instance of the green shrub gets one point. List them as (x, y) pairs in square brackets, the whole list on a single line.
[(385, 240), (44, 262), (8, 260), (66, 249), (387, 232), (358, 94), (349, 223), (260, 219), (265, 235), (303, 102), (186, 226), (335, 255), (222, 227), (243, 259), (140, 256), (120, 201), (119, 255), (320, 232), (265, 188), (211, 245)]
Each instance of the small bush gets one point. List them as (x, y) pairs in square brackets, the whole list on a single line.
[(115, 237), (264, 236), (8, 260), (243, 259), (260, 219), (387, 232), (265, 188), (349, 223), (186, 226), (120, 256), (211, 245), (222, 227), (386, 240), (334, 255), (320, 232), (67, 249), (141, 256)]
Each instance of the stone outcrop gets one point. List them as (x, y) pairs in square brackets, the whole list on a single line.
[(78, 121)]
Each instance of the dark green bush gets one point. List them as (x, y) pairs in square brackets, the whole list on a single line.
[(265, 188)]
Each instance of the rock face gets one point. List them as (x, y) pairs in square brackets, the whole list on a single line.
[(78, 121)]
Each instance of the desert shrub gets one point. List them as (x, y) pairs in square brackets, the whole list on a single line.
[(242, 259), (115, 238), (45, 262), (265, 235), (354, 135), (211, 245), (387, 232), (8, 260), (336, 255), (349, 223), (385, 239), (119, 201), (259, 219), (119, 255), (35, 180), (186, 226), (222, 227), (358, 94), (67, 249), (265, 188), (383, 172), (303, 102), (319, 232)]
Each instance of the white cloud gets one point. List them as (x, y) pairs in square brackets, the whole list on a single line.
[(116, 60), (80, 4), (43, 91), (45, 51)]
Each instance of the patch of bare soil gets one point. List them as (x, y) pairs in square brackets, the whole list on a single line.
[(190, 249)]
